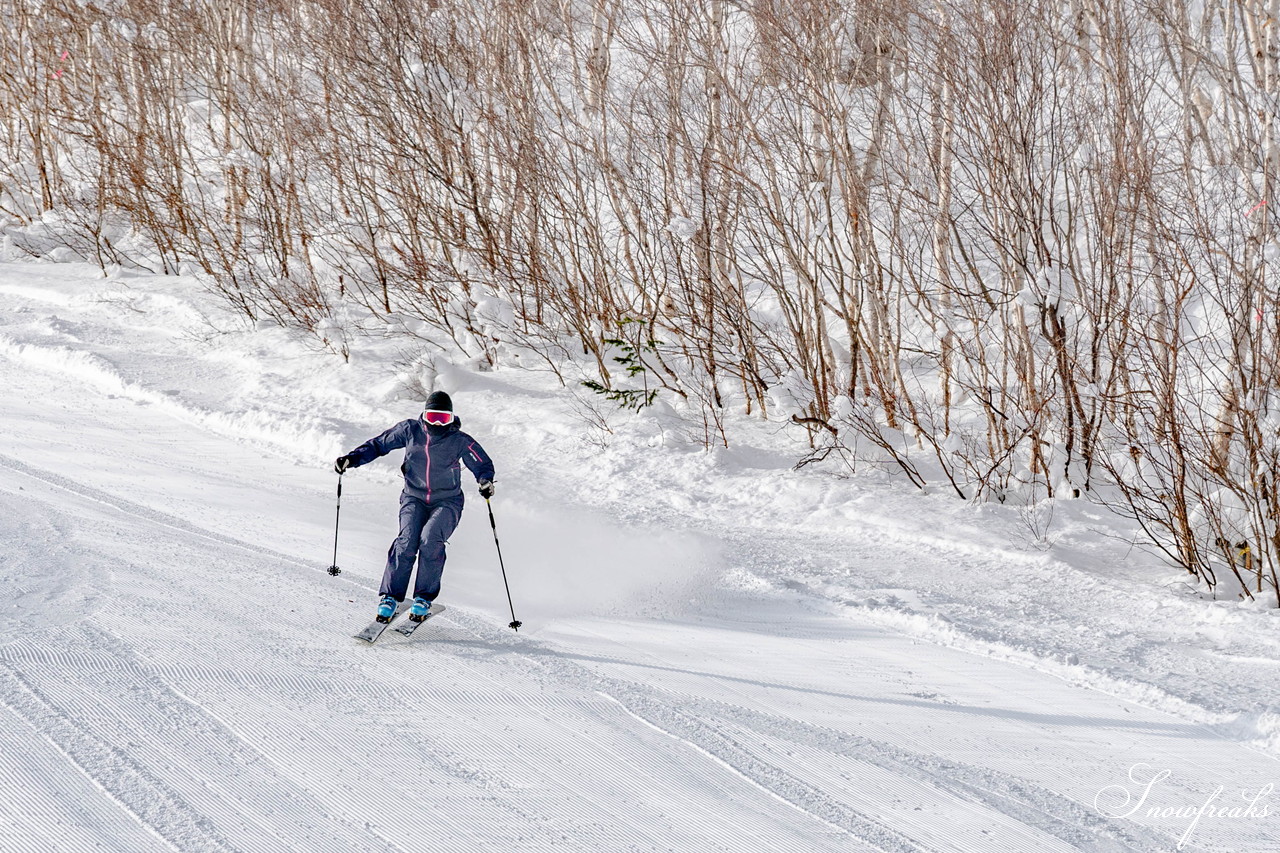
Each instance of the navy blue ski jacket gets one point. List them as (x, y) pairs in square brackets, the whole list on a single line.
[(431, 457)]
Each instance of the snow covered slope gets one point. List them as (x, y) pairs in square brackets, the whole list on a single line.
[(719, 653)]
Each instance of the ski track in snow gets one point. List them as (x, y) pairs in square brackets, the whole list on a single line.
[(193, 688), (109, 663)]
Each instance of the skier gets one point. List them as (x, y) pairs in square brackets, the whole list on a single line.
[(431, 503)]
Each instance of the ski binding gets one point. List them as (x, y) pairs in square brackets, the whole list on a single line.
[(408, 626)]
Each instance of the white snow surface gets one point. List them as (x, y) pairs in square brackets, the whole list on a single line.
[(719, 652)]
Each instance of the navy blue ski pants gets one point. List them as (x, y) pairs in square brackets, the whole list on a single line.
[(424, 528)]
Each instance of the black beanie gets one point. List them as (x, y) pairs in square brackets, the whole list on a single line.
[(439, 402)]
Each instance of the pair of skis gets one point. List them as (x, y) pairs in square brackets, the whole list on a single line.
[(406, 626)]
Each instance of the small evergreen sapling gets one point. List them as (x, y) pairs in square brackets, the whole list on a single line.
[(632, 361)]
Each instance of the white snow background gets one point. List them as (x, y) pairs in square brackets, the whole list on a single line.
[(719, 652)]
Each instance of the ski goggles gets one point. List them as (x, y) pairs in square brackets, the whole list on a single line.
[(436, 417)]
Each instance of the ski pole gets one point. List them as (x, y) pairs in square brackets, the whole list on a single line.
[(515, 623), (334, 570)]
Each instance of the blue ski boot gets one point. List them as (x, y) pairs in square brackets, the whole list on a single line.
[(386, 608), (421, 607)]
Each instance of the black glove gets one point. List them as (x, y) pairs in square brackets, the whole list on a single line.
[(486, 489), (344, 462)]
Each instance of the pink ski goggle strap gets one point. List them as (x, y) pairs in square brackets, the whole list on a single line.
[(437, 418)]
